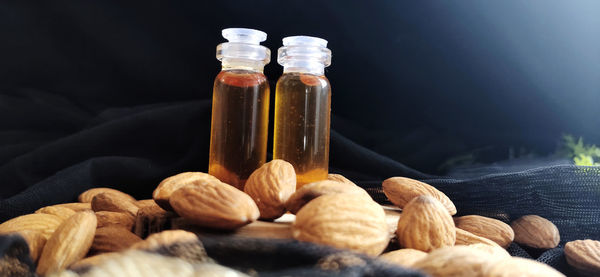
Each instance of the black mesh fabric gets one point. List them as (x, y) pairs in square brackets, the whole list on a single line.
[(567, 195), (294, 258), (133, 149), (14, 257), (117, 94)]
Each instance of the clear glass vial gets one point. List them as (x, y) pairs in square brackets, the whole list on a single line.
[(240, 107), (302, 108)]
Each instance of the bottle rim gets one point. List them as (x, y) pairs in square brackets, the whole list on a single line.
[(243, 44)]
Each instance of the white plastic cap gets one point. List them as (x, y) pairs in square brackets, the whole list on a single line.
[(304, 40), (304, 54), (244, 35), (243, 48)]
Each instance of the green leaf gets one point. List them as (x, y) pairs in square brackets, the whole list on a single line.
[(584, 160)]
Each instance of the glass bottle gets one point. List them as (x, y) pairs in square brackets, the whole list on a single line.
[(302, 108), (240, 107)]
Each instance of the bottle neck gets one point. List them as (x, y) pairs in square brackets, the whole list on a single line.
[(242, 64), (310, 67)]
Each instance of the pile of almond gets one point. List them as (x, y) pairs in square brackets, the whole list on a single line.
[(108, 227)]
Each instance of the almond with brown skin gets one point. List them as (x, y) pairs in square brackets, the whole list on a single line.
[(112, 239), (145, 203), (88, 262), (466, 238), (521, 267), (115, 219), (535, 231), (494, 249), (163, 192), (88, 195), (404, 257), (69, 243), (341, 220), (45, 223), (400, 190), (77, 207), (215, 205), (425, 224), (145, 264), (492, 229), (270, 186), (59, 211), (339, 178), (165, 238), (341, 260), (176, 243), (584, 255), (152, 219), (457, 260), (113, 202), (311, 191)]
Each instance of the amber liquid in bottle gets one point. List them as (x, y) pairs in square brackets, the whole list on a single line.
[(302, 114), (238, 142)]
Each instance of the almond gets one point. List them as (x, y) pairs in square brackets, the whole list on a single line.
[(535, 231), (64, 273), (404, 257), (456, 261), (69, 243), (215, 205), (176, 243), (165, 238), (494, 249), (492, 229), (584, 255), (115, 219), (151, 219), (113, 239), (347, 221), (163, 192), (91, 261), (88, 195), (146, 264), (113, 202), (45, 223), (270, 186), (311, 191), (77, 207), (339, 178), (59, 211), (341, 260), (36, 241), (521, 267), (400, 190), (145, 203), (425, 225), (466, 238)]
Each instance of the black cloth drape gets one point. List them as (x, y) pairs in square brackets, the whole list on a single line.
[(117, 94)]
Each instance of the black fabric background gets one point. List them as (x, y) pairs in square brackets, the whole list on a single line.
[(419, 82), (118, 94)]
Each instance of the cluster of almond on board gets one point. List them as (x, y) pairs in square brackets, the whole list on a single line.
[(107, 225), (101, 236)]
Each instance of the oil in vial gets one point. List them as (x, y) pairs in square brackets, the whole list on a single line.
[(239, 128), (240, 107), (302, 115)]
